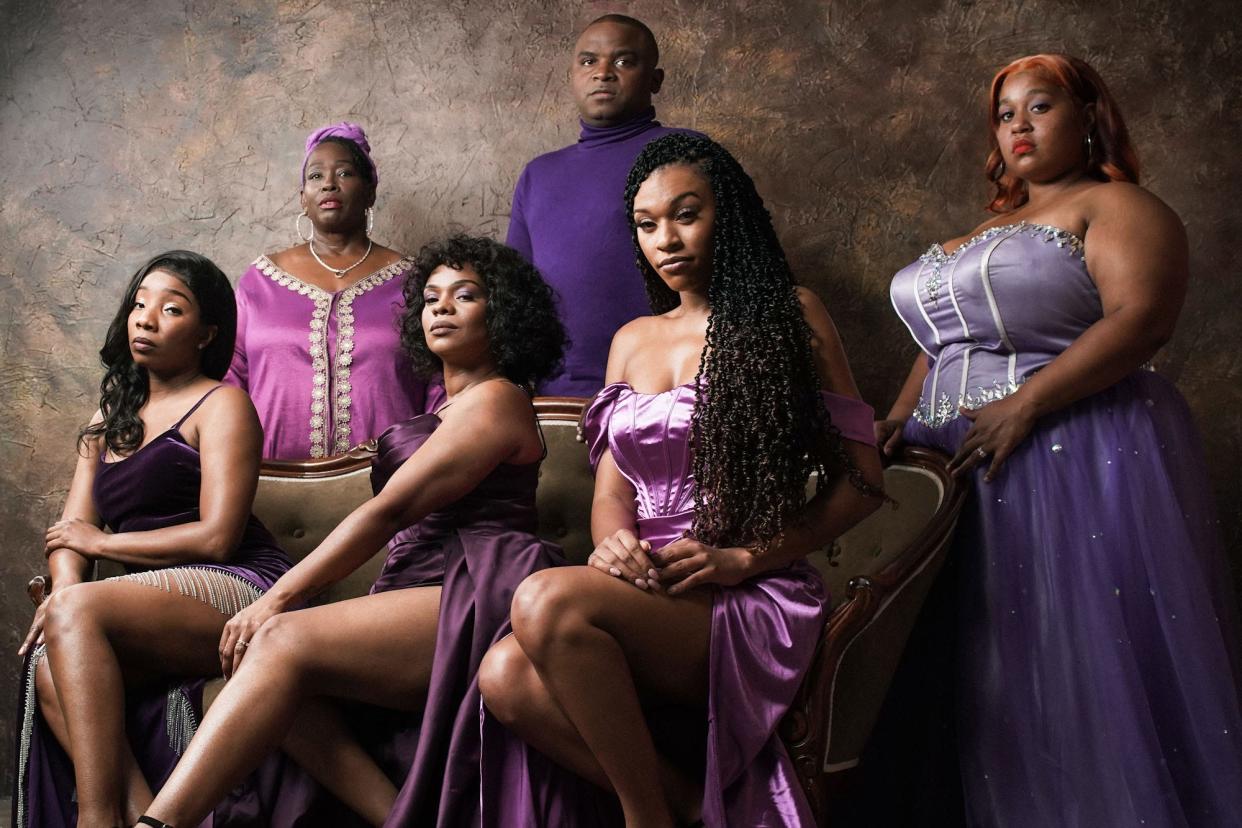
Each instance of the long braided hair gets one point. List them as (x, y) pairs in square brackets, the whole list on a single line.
[(759, 427)]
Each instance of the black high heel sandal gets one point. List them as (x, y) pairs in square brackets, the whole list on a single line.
[(152, 821)]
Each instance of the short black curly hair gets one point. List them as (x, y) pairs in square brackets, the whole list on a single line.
[(527, 338)]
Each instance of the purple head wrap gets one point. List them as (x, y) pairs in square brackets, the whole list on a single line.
[(344, 129)]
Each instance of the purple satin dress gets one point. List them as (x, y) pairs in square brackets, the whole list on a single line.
[(1097, 637), (325, 370), (478, 550), (155, 487), (764, 634)]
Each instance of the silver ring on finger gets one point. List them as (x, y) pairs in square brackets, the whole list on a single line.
[(241, 645), (981, 454)]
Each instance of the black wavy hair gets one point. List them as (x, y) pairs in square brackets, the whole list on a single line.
[(759, 427), (125, 385), (526, 335), (356, 156)]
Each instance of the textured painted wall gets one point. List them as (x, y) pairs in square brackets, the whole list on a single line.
[(129, 127)]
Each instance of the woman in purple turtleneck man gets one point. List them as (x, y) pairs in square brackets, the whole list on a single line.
[(317, 344), (567, 217)]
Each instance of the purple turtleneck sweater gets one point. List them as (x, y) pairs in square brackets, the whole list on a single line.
[(569, 221)]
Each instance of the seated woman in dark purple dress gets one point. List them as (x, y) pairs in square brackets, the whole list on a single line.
[(698, 594), (463, 480), (170, 465)]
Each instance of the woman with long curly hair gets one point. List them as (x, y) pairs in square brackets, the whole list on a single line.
[(169, 464), (698, 596), (462, 480), (1096, 649)]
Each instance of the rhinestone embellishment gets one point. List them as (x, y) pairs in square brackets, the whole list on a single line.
[(945, 409), (937, 258)]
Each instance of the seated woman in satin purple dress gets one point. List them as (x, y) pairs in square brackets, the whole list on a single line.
[(170, 464), (317, 343), (698, 594), (1097, 651), (463, 480)]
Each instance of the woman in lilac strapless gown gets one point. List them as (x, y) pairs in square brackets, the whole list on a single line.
[(170, 466), (698, 596), (1097, 650), (462, 480)]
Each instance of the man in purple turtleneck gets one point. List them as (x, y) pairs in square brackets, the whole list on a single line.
[(569, 206)]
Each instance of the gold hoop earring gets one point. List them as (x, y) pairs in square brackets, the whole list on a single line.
[(297, 227)]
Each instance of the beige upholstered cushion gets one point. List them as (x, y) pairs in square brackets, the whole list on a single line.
[(301, 512), (877, 541), (566, 488)]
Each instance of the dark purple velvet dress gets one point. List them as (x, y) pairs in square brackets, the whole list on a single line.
[(1097, 634), (478, 549), (157, 486)]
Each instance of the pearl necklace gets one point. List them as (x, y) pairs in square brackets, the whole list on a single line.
[(340, 273)]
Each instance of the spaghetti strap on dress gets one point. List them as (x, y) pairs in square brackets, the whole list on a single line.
[(155, 487)]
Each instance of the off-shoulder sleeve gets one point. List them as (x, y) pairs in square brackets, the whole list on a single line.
[(853, 418), (595, 421)]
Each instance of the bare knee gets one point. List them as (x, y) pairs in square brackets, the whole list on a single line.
[(280, 641), (69, 610), (503, 679), (549, 610)]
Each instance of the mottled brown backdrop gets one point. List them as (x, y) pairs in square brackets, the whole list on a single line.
[(127, 127)]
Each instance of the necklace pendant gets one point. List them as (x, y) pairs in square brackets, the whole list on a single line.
[(339, 273)]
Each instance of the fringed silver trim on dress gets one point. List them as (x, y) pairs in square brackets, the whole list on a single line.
[(224, 591), (180, 719), (27, 733)]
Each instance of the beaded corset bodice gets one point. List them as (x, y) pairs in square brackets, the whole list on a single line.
[(993, 312)]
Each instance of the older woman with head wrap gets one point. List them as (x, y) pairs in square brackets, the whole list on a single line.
[(317, 342)]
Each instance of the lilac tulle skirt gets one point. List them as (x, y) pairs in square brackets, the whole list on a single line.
[(1098, 649)]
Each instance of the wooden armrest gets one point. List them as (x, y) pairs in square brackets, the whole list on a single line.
[(38, 588)]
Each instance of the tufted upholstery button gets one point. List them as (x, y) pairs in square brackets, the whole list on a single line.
[(561, 531), (299, 533)]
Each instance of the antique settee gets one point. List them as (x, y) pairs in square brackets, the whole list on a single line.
[(878, 575)]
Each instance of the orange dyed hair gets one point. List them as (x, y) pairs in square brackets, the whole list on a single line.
[(1112, 155)]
